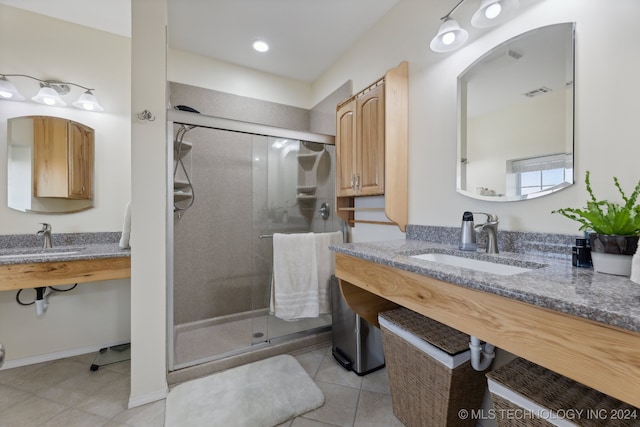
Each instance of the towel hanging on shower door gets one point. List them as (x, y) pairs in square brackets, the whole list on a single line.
[(294, 287)]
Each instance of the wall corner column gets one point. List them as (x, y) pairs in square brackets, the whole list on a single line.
[(149, 217)]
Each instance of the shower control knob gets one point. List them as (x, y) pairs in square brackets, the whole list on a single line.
[(324, 210)]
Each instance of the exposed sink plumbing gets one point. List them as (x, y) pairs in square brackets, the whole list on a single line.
[(482, 354), (41, 300)]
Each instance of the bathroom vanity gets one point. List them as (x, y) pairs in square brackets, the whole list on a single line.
[(31, 267), (581, 324)]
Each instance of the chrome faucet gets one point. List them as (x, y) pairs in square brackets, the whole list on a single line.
[(491, 228), (46, 232)]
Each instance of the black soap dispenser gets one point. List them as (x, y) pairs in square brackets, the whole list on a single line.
[(467, 233), (581, 254)]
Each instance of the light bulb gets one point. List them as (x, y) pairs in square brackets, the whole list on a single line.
[(448, 38), (6, 95), (48, 96), (89, 102), (493, 11)]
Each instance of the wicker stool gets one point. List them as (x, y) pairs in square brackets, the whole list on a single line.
[(430, 375), (527, 395)]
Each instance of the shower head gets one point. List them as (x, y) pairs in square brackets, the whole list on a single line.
[(186, 108), (185, 128)]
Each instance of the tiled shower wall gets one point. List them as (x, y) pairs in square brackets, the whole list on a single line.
[(215, 243)]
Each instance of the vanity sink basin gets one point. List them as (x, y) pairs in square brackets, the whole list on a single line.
[(473, 264), (37, 253)]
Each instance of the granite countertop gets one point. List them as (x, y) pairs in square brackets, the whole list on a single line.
[(27, 249), (62, 253), (553, 283)]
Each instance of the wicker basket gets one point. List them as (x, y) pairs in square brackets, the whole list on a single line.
[(527, 395), (430, 375)]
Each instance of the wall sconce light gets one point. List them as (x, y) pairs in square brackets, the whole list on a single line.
[(451, 36), (49, 93)]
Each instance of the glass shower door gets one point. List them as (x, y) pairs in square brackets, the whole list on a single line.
[(290, 177)]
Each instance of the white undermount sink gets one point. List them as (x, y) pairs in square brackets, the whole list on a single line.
[(473, 264)]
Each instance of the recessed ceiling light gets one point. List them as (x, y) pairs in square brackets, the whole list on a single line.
[(260, 46)]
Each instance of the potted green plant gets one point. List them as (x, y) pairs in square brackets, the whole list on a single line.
[(613, 229)]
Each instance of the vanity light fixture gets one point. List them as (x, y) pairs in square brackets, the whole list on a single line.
[(50, 93), (494, 12), (48, 96), (451, 36), (9, 91)]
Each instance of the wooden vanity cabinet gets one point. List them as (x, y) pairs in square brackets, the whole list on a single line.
[(360, 144), (63, 158)]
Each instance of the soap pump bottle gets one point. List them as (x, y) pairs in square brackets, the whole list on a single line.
[(467, 233)]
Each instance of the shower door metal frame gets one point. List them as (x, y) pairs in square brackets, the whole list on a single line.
[(211, 122)]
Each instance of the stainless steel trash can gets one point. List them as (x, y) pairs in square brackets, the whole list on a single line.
[(357, 344)]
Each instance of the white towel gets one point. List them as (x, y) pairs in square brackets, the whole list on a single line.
[(635, 266), (126, 228), (295, 276), (326, 267)]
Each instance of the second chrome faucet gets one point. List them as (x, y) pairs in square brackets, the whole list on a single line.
[(46, 233)]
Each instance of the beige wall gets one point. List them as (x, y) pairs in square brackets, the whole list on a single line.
[(607, 66), (94, 314)]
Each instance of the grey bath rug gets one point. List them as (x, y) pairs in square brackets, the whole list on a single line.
[(259, 394)]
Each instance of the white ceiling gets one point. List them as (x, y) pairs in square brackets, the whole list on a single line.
[(306, 36)]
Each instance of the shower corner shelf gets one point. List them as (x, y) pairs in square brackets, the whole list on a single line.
[(306, 196), (181, 190), (179, 196), (178, 183), (183, 147)]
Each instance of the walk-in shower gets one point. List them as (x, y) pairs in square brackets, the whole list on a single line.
[(252, 181)]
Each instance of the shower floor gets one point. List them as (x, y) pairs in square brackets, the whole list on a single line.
[(203, 341)]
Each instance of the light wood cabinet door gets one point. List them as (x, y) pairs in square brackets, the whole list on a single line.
[(80, 161), (346, 150), (360, 145), (50, 154), (370, 142), (63, 157)]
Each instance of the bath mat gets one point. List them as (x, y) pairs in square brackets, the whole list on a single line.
[(260, 394)]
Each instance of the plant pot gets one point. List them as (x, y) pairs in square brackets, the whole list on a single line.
[(613, 254)]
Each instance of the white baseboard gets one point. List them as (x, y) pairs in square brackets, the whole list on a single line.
[(47, 357), (135, 401)]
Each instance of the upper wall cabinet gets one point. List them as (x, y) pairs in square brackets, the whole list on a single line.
[(360, 144), (371, 148), (50, 165)]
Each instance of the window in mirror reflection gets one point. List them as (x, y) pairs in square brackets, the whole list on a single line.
[(516, 117), (538, 174)]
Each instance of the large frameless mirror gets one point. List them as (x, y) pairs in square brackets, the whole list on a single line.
[(50, 162), (515, 123)]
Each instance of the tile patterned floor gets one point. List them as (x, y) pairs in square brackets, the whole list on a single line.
[(66, 393)]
